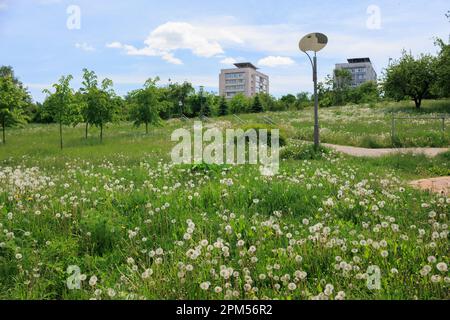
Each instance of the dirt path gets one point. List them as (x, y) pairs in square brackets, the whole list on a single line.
[(364, 152), (438, 185)]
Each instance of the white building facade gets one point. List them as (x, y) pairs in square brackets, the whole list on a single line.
[(244, 79), (361, 70)]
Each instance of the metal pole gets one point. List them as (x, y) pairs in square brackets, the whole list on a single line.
[(316, 106), (393, 130)]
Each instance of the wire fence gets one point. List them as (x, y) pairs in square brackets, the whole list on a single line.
[(396, 130)]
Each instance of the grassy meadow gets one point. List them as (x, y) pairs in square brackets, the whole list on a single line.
[(139, 227)]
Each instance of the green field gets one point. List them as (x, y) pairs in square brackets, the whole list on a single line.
[(139, 227)]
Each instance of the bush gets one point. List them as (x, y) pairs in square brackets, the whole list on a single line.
[(269, 128), (303, 152), (103, 235), (371, 143)]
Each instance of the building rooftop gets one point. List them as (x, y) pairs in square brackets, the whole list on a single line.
[(358, 60), (245, 65)]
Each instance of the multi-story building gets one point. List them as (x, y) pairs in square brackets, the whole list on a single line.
[(361, 70), (244, 79)]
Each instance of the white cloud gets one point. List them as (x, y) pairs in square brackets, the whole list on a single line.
[(84, 46), (114, 45), (170, 37), (275, 61), (228, 61)]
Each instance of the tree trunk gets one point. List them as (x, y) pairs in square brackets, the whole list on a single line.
[(418, 102), (86, 132), (101, 132), (60, 135), (146, 127)]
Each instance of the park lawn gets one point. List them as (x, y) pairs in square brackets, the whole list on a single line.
[(139, 227)]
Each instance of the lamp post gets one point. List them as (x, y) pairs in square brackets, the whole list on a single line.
[(201, 101), (314, 42)]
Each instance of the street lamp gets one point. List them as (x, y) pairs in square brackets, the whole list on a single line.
[(314, 42)]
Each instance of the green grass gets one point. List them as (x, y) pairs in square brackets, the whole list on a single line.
[(109, 208)]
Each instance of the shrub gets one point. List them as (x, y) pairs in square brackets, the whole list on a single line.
[(269, 128), (103, 235), (371, 143), (303, 152)]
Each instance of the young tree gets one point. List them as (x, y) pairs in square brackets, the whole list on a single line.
[(410, 77), (257, 106), (11, 103), (103, 109), (62, 106), (145, 104), (89, 94), (223, 106)]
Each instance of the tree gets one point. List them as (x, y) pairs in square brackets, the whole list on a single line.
[(268, 102), (179, 94), (103, 109), (365, 93), (89, 94), (288, 101), (443, 69), (303, 99), (145, 104), (238, 104), (411, 77), (223, 106), (342, 79), (62, 106), (257, 106), (11, 103)]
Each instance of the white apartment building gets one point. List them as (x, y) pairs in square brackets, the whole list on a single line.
[(361, 69), (244, 79)]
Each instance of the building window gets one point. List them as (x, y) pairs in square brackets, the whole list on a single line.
[(234, 75)]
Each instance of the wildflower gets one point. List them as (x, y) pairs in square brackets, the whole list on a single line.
[(340, 296), (442, 267), (292, 286), (147, 273), (204, 286), (111, 292), (18, 256), (93, 281), (436, 278)]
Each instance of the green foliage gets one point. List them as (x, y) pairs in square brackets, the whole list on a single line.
[(411, 77), (269, 128), (13, 99), (256, 105), (303, 151), (62, 106), (442, 86), (179, 95), (146, 104), (239, 104), (223, 107), (102, 234)]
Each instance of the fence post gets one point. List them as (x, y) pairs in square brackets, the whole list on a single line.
[(393, 131), (443, 124)]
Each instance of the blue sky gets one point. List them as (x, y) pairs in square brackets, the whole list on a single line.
[(130, 41)]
